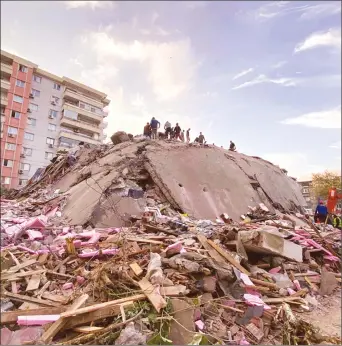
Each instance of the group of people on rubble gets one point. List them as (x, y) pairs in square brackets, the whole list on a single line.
[(174, 133), (322, 216)]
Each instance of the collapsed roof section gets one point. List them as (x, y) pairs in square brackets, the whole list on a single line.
[(108, 184)]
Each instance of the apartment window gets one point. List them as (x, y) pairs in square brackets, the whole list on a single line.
[(35, 92), (10, 146), (8, 163), (70, 114), (25, 166), (33, 107), (31, 121), (22, 182), (53, 113), (82, 105), (23, 68), (29, 136), (15, 115), (48, 156), (305, 190), (92, 109), (50, 141), (12, 130), (27, 151), (20, 83), (55, 99), (56, 86), (18, 99), (37, 79), (51, 127), (7, 180)]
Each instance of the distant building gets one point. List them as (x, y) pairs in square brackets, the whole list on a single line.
[(42, 113), (306, 192)]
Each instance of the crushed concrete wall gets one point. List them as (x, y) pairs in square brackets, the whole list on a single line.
[(201, 181)]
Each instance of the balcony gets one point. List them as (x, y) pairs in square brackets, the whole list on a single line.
[(83, 112), (5, 85), (80, 124), (3, 100), (79, 97), (6, 69), (78, 137)]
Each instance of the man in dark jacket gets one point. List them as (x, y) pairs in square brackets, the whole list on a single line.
[(147, 130), (321, 213), (232, 146), (155, 125), (177, 131)]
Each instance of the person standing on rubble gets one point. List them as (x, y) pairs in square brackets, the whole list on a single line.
[(168, 130), (201, 138), (337, 222), (321, 213), (147, 130), (182, 136), (155, 125), (232, 146), (177, 131), (188, 136)]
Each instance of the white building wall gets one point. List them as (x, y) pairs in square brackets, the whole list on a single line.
[(41, 129)]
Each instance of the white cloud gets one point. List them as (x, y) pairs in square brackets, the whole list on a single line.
[(262, 79), (90, 4), (327, 119), (330, 38), (282, 8), (170, 66), (243, 73), (298, 164), (321, 10), (279, 64), (76, 62), (336, 145)]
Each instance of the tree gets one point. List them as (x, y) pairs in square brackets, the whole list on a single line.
[(322, 182)]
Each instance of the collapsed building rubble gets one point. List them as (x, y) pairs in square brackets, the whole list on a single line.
[(158, 243)]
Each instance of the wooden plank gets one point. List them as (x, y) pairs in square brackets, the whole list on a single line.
[(51, 272), (265, 283), (22, 298), (152, 294), (61, 322), (228, 257), (21, 266), (33, 283), (87, 329), (173, 291), (103, 305), (11, 317), (14, 287), (43, 258), (18, 276), (43, 289), (142, 240), (62, 263), (213, 254), (55, 298), (97, 315), (16, 261), (28, 306), (136, 268)]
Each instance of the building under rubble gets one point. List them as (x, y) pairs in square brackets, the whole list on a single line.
[(109, 183)]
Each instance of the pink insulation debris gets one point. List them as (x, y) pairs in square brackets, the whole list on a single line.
[(246, 280), (243, 341), (275, 270), (297, 285), (290, 291), (175, 248), (51, 213), (37, 320), (255, 301), (98, 253), (199, 324), (80, 279), (68, 286), (332, 258), (33, 235), (24, 248)]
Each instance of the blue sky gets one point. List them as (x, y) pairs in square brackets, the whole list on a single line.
[(266, 75)]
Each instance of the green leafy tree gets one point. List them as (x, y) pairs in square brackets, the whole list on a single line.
[(322, 182)]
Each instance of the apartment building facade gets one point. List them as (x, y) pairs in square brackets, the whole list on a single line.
[(42, 113)]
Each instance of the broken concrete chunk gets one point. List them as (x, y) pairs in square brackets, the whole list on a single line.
[(119, 137), (328, 282), (130, 336), (185, 317)]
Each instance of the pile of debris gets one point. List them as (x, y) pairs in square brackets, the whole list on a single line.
[(156, 274)]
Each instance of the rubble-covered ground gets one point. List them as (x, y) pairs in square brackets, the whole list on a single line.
[(165, 243)]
